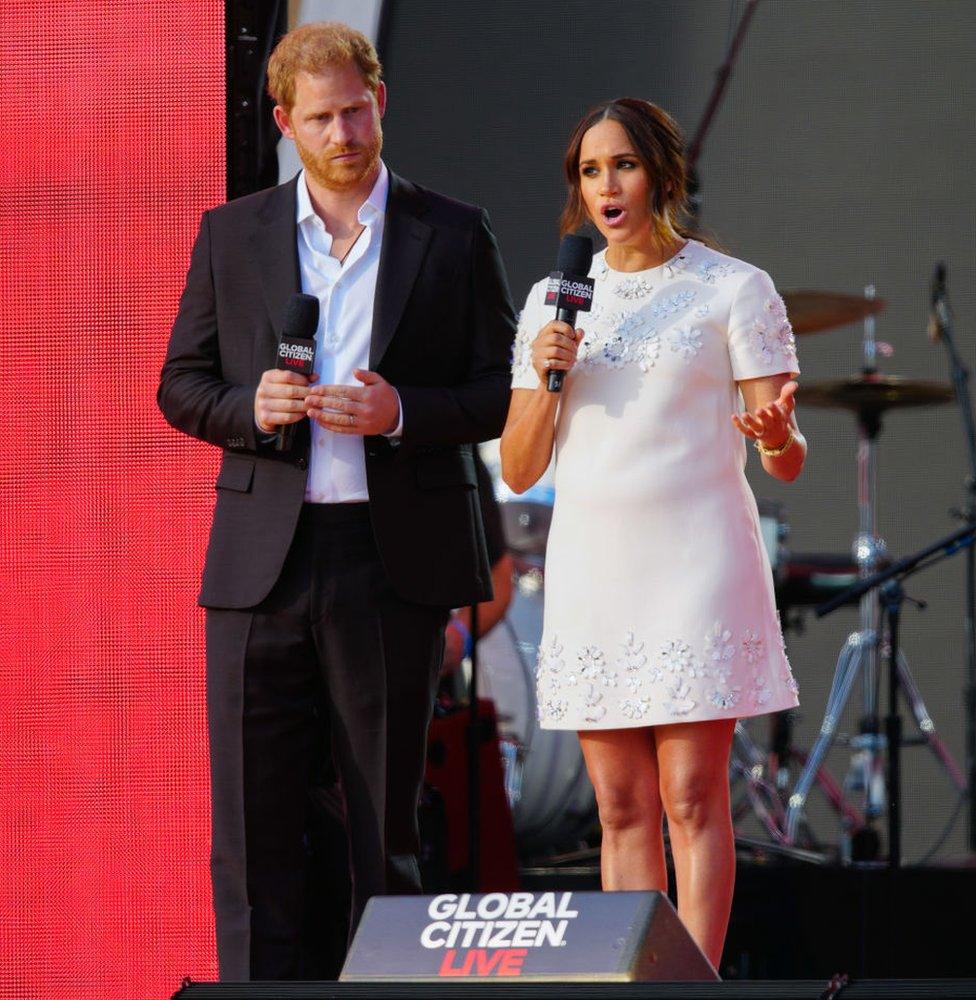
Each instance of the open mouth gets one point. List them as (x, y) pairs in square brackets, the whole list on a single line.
[(612, 214)]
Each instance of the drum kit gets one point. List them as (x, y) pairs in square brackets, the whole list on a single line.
[(552, 801)]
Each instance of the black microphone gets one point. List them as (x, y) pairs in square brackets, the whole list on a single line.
[(569, 289), (296, 349), (939, 316)]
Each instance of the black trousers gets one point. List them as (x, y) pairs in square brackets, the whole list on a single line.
[(332, 661)]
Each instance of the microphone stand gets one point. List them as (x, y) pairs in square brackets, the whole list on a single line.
[(960, 382), (892, 596), (722, 76)]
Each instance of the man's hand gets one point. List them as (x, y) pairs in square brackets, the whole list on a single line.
[(372, 408), (280, 399)]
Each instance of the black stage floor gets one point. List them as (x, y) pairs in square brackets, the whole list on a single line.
[(778, 990), (795, 930), (798, 921)]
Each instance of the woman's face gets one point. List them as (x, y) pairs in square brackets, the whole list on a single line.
[(614, 185)]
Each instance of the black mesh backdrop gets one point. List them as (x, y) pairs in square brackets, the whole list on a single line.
[(843, 155)]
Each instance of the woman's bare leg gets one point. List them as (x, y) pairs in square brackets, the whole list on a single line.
[(693, 760), (622, 764)]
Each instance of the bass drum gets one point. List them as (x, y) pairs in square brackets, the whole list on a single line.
[(553, 804)]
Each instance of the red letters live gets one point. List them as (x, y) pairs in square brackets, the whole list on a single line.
[(481, 962)]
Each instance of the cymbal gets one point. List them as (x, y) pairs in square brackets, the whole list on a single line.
[(874, 393), (812, 312)]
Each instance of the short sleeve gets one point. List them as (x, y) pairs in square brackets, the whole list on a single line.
[(531, 320), (761, 340)]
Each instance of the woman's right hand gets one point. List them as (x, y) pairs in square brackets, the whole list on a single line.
[(555, 347)]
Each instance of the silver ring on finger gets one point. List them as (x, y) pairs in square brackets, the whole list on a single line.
[(547, 363), (352, 419)]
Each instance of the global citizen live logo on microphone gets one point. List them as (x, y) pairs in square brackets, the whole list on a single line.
[(569, 291), (297, 355), (492, 934)]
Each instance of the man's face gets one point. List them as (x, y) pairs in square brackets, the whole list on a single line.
[(335, 124)]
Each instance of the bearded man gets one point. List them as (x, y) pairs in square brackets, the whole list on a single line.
[(332, 565)]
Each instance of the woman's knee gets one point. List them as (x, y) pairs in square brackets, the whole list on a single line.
[(624, 808), (696, 801)]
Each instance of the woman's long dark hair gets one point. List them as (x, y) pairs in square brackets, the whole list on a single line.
[(659, 145)]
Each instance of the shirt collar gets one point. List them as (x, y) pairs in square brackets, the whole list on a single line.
[(373, 208)]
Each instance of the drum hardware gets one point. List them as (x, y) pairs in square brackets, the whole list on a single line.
[(873, 393), (765, 776), (553, 803), (811, 578), (526, 517), (888, 584), (814, 312), (868, 395), (941, 330)]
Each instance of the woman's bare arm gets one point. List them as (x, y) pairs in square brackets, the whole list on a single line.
[(769, 418)]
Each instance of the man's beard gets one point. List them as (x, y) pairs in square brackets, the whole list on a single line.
[(341, 176)]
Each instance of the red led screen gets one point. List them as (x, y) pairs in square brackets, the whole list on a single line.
[(113, 143)]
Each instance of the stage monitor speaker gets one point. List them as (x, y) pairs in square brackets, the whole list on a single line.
[(544, 936)]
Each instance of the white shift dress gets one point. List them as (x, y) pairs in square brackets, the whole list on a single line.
[(659, 604)]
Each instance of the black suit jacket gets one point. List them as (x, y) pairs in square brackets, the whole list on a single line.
[(443, 325)]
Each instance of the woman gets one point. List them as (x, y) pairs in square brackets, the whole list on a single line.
[(661, 628)]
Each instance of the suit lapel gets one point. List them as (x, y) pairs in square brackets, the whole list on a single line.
[(405, 240), (274, 244)]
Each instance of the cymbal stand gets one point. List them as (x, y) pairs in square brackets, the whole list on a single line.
[(861, 655), (889, 582), (943, 331)]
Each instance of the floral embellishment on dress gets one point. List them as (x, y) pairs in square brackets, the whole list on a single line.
[(648, 348), (633, 288), (594, 710), (635, 708), (522, 349), (761, 691), (550, 657), (759, 342), (786, 342), (720, 651), (724, 700), (679, 700), (783, 337), (711, 271), (593, 666), (772, 335), (677, 265), (626, 341), (753, 647), (672, 304), (686, 341), (674, 656), (632, 660), (553, 708), (702, 311)]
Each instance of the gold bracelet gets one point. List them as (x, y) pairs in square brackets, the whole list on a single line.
[(782, 449)]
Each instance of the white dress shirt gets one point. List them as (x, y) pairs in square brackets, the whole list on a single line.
[(337, 466)]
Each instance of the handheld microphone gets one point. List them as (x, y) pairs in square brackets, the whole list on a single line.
[(938, 317), (296, 349), (569, 288)]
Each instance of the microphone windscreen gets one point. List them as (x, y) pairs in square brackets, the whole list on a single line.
[(575, 255), (301, 317)]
